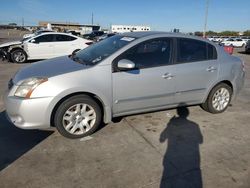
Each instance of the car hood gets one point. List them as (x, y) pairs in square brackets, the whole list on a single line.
[(10, 43), (48, 68)]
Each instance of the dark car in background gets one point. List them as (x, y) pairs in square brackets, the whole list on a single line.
[(107, 35), (247, 47), (93, 35)]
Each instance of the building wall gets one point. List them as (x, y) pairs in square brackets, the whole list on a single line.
[(60, 26), (128, 28)]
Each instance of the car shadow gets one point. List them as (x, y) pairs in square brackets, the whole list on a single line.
[(15, 142), (181, 161), (243, 52)]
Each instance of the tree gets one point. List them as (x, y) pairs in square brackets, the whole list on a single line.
[(229, 33), (246, 33), (211, 33), (198, 33)]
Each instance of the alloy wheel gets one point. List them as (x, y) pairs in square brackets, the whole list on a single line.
[(79, 119), (221, 99)]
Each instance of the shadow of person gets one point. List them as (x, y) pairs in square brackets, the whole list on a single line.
[(181, 161), (14, 142)]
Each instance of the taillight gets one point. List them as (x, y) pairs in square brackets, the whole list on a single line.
[(229, 49), (89, 43)]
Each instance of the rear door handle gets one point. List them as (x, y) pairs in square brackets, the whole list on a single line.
[(211, 69), (167, 76)]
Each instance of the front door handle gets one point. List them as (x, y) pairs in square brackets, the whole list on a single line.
[(211, 69), (167, 76)]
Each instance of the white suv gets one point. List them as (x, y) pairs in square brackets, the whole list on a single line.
[(44, 46)]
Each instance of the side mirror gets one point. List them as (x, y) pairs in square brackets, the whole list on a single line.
[(125, 64)]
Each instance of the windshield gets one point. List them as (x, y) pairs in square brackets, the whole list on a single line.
[(38, 32), (101, 50)]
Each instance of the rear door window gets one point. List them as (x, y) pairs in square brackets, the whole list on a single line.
[(191, 50)]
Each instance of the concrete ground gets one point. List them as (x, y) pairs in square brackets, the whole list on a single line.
[(150, 150)]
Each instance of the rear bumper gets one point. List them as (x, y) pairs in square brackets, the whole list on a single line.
[(239, 84)]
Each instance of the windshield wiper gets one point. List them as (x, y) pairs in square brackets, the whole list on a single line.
[(79, 60)]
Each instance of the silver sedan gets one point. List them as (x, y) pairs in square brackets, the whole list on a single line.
[(124, 74)]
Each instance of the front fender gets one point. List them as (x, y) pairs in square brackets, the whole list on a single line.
[(74, 91)]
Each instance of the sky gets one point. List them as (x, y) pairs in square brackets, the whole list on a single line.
[(160, 15)]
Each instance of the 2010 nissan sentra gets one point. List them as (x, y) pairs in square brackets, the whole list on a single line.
[(124, 74)]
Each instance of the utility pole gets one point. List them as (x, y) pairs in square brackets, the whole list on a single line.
[(22, 22), (92, 19), (205, 25)]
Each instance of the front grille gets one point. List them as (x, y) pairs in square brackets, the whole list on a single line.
[(10, 84)]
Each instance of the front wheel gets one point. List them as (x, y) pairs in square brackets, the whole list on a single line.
[(218, 99), (18, 56), (77, 117)]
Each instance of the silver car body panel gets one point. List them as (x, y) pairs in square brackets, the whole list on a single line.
[(118, 91)]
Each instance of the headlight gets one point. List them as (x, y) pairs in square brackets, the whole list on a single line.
[(28, 86)]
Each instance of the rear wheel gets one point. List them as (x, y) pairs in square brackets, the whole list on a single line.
[(78, 116), (218, 99), (18, 56)]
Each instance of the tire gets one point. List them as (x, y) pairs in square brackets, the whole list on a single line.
[(218, 99), (72, 122), (18, 56)]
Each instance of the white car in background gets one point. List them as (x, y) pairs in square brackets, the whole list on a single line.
[(234, 42), (43, 46), (36, 33), (246, 39), (216, 39)]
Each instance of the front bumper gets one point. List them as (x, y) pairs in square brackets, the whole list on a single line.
[(28, 113)]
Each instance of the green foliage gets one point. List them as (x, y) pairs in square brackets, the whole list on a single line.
[(198, 33), (211, 33), (229, 33), (223, 33), (246, 33)]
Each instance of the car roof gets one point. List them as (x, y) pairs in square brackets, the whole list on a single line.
[(50, 33), (143, 34)]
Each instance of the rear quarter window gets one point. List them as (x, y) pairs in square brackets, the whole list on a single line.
[(63, 38)]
